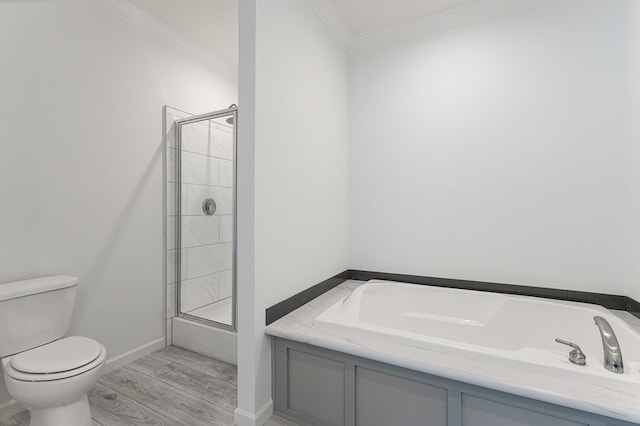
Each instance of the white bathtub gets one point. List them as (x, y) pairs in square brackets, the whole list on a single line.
[(517, 331)]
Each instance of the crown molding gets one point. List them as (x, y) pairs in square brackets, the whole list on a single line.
[(159, 29), (368, 40), (329, 15)]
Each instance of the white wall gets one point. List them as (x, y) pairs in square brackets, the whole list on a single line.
[(499, 150), (81, 96), (301, 201)]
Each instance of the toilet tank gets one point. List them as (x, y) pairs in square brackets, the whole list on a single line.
[(35, 312)]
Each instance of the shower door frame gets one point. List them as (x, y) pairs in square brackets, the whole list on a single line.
[(233, 112)]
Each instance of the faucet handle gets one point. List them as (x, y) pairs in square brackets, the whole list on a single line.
[(576, 355)]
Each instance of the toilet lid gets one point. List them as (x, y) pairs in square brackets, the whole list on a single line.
[(62, 355)]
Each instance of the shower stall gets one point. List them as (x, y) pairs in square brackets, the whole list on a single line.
[(201, 232)]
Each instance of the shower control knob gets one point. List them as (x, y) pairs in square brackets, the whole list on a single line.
[(209, 206)]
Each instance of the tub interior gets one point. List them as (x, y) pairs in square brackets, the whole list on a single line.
[(517, 327)]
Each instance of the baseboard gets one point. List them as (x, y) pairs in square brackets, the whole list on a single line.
[(132, 355), (245, 418), (10, 409)]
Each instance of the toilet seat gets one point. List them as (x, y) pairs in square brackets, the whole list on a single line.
[(58, 360)]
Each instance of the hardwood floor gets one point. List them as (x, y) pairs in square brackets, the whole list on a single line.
[(172, 386)]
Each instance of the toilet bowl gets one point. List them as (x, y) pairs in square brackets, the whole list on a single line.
[(46, 373), (52, 380)]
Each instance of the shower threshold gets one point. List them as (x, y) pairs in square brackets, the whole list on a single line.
[(204, 337)]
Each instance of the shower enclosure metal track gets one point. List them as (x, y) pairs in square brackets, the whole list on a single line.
[(232, 112)]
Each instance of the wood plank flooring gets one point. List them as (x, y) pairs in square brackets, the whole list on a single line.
[(170, 387)]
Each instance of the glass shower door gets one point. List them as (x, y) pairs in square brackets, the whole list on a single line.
[(206, 225)]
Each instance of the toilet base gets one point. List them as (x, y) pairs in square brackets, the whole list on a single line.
[(76, 413)]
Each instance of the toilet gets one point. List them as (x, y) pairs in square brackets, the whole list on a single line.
[(45, 372)]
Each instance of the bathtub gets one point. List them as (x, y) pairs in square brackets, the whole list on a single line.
[(517, 331)]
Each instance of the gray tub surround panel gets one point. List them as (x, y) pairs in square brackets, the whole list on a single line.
[(323, 387), (384, 399), (619, 402)]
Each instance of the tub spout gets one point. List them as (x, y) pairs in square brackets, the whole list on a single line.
[(610, 346)]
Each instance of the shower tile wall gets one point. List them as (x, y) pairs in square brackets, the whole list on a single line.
[(207, 172)]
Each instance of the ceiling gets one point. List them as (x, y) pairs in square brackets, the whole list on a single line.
[(213, 24)]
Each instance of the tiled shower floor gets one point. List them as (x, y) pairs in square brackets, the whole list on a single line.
[(219, 311)]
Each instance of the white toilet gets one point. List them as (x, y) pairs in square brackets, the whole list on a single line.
[(47, 374)]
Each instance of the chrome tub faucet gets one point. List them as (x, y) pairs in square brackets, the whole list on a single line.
[(610, 346)]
